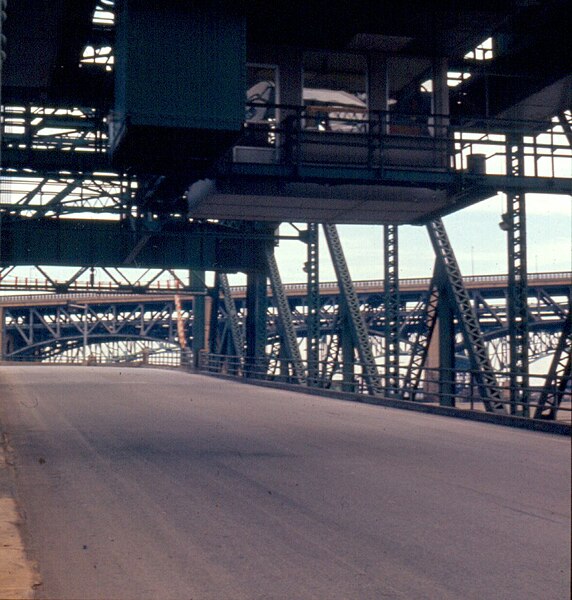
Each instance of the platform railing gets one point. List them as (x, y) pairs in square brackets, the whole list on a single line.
[(331, 135), (335, 136)]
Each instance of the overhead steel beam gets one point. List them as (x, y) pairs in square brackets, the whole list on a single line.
[(74, 242)]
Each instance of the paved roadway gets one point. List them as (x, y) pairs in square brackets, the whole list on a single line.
[(140, 483)]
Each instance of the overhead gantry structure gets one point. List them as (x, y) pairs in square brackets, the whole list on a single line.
[(178, 135)]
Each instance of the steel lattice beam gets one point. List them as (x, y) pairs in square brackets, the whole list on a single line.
[(559, 376), (237, 336), (425, 326), (392, 307), (292, 351), (514, 220), (313, 303), (356, 323), (468, 322)]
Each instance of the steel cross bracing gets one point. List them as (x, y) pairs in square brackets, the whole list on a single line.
[(288, 334), (392, 307), (422, 321), (313, 303), (517, 285), (559, 376), (355, 321), (468, 322), (230, 307)]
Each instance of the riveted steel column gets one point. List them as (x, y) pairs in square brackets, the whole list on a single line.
[(214, 334), (559, 375), (468, 321), (291, 351), (421, 342), (348, 352), (392, 308), (236, 335), (313, 302), (356, 323), (514, 221), (197, 284), (446, 329), (2, 333), (256, 308)]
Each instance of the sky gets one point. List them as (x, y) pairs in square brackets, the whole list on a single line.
[(479, 244)]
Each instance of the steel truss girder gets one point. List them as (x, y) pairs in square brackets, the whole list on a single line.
[(392, 307), (466, 316), (559, 375), (350, 302), (288, 334), (36, 329)]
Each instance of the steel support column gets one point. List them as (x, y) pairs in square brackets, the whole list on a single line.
[(422, 340), (197, 284), (356, 323), (2, 333), (313, 302), (514, 221), (348, 352), (213, 317), (256, 307), (446, 329), (468, 321), (290, 352), (560, 374), (392, 307), (236, 335)]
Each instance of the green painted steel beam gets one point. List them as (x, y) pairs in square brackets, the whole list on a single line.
[(71, 242)]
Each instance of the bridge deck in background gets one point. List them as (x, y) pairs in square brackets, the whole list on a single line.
[(105, 293), (146, 483)]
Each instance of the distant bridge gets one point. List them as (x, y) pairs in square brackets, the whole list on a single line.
[(44, 326)]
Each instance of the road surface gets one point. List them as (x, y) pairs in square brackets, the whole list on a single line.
[(141, 483)]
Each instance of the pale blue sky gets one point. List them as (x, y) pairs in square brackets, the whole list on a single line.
[(479, 244)]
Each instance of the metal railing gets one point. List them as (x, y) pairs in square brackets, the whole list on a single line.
[(332, 135), (455, 388), (335, 136)]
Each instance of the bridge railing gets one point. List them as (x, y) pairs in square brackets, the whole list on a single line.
[(455, 388)]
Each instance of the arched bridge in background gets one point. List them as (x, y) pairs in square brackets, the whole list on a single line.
[(119, 328)]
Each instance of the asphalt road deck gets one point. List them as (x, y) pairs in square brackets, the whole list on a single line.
[(142, 483)]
